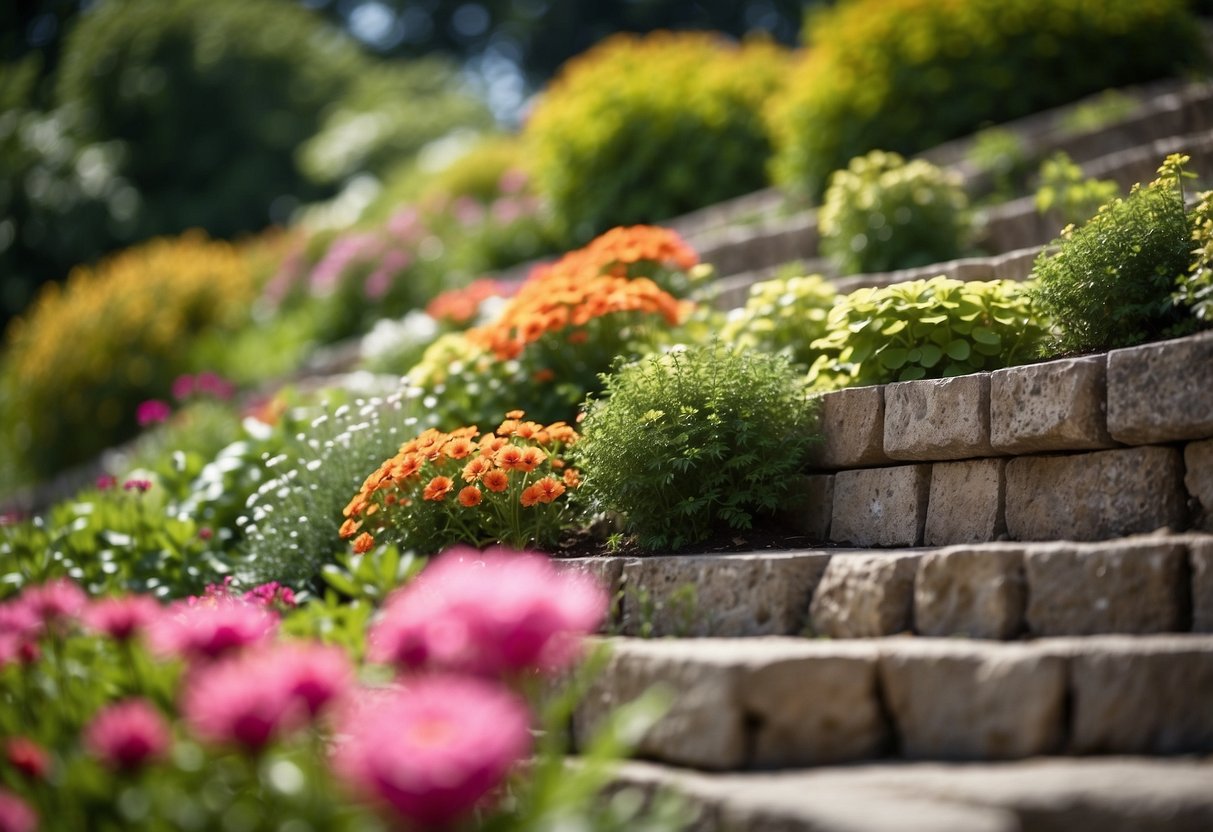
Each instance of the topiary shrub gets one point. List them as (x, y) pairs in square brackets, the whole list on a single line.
[(1109, 283), (926, 329), (785, 315), (906, 75), (642, 129), (695, 441), (88, 352), (882, 213)]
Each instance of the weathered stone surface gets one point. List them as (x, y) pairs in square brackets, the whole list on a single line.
[(1125, 586), (720, 595), (1198, 479), (704, 726), (966, 502), (1142, 695), (1200, 554), (810, 505), (967, 701), (852, 423), (978, 592), (1161, 392), (938, 419), (1095, 496), (1056, 406), (825, 713), (880, 506), (864, 596)]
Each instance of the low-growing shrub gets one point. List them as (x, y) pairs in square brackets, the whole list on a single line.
[(784, 315), (642, 129), (499, 487), (1067, 193), (87, 353), (1195, 289), (695, 441), (1109, 283), (906, 75), (882, 213), (926, 329)]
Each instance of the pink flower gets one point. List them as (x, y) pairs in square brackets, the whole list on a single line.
[(452, 741), (313, 675), (488, 613), (122, 618), (212, 628), (152, 412), (215, 385), (513, 181), (142, 486), (54, 602), (27, 757), (127, 735), (272, 594), (15, 814), (183, 387), (107, 481)]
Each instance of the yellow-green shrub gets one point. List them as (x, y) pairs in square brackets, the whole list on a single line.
[(478, 173), (905, 75), (642, 129), (87, 352)]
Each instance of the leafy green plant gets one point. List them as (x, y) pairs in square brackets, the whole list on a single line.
[(1068, 194), (1109, 283), (1195, 289), (926, 329), (784, 315), (906, 75), (882, 213), (695, 441), (1004, 156), (642, 129)]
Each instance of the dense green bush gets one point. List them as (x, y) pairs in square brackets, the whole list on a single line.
[(642, 129), (905, 75), (1196, 287), (1065, 192), (1109, 283), (695, 441), (926, 329), (783, 315), (882, 213)]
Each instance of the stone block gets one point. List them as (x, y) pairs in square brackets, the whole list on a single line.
[(808, 508), (852, 423), (1144, 695), (1200, 555), (865, 596), (1198, 480), (938, 419), (965, 503), (1056, 406), (1095, 496), (880, 506), (1125, 586), (1162, 392), (973, 700), (972, 591), (719, 595), (818, 714)]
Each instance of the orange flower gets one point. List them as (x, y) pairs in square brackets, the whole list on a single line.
[(578, 336), (470, 496), (526, 430), (477, 468), (507, 427), (530, 459), (363, 543), (515, 414), (349, 528), (407, 467), (529, 496), (458, 448), (572, 478), (509, 457), (542, 376), (437, 489), (548, 489), (354, 507), (490, 445), (496, 481), (562, 432)]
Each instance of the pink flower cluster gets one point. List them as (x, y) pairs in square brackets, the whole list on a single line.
[(203, 385), (127, 735), (152, 412)]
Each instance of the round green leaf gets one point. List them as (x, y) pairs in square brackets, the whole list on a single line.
[(985, 335), (958, 350), (894, 357)]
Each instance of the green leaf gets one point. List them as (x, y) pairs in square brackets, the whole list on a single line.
[(958, 350), (931, 355), (893, 357), (985, 335), (894, 328), (913, 373)]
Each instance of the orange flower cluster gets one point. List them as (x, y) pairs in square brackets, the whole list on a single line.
[(587, 284), (498, 462), (459, 306)]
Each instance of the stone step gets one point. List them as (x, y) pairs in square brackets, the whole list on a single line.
[(1118, 794), (1137, 586), (774, 702)]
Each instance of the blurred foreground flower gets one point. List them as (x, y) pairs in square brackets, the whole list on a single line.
[(127, 735)]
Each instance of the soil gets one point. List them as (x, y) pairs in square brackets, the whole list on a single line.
[(769, 535)]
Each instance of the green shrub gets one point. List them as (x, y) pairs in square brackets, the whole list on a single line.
[(882, 213), (784, 315), (1067, 193), (642, 129), (1004, 156), (693, 442), (1110, 282), (926, 329), (906, 75), (1195, 289)]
